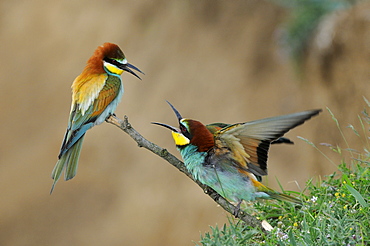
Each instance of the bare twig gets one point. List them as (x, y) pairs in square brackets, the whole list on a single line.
[(125, 126)]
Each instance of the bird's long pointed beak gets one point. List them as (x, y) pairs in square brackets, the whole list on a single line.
[(178, 115), (174, 129), (127, 67)]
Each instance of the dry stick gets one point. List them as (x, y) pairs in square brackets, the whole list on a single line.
[(125, 126)]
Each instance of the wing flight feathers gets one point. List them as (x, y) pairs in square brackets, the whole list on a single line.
[(250, 141)]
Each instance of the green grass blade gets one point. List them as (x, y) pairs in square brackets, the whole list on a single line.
[(291, 238), (358, 196)]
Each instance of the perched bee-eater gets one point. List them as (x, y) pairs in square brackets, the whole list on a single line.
[(231, 158), (96, 93)]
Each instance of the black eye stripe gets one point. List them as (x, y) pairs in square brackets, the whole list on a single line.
[(113, 62)]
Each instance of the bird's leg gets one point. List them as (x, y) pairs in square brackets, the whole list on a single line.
[(237, 209), (109, 115)]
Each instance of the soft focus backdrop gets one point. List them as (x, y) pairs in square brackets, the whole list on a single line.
[(216, 61)]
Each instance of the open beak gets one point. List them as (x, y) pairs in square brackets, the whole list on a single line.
[(179, 117), (174, 129), (180, 139), (128, 68)]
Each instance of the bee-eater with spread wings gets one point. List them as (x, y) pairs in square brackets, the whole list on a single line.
[(231, 158), (96, 93)]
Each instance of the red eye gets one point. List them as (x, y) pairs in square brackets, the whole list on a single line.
[(183, 129)]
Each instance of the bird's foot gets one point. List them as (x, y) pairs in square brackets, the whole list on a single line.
[(112, 114), (237, 212)]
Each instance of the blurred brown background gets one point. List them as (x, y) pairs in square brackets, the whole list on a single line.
[(214, 60)]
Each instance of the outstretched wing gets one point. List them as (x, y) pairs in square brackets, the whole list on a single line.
[(214, 127), (249, 142)]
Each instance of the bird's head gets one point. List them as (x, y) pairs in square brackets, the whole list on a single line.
[(109, 58), (190, 132)]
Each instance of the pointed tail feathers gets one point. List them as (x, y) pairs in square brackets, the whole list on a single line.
[(284, 197), (69, 162), (274, 194)]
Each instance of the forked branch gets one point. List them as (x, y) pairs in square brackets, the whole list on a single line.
[(125, 126)]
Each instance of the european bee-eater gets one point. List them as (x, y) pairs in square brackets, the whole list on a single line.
[(231, 158), (96, 93)]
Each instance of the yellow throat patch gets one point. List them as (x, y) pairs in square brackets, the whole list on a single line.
[(112, 68), (180, 139)]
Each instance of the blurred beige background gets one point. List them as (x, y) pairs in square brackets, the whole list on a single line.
[(216, 61)]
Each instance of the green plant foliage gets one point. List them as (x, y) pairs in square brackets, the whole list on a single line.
[(233, 235), (304, 17)]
